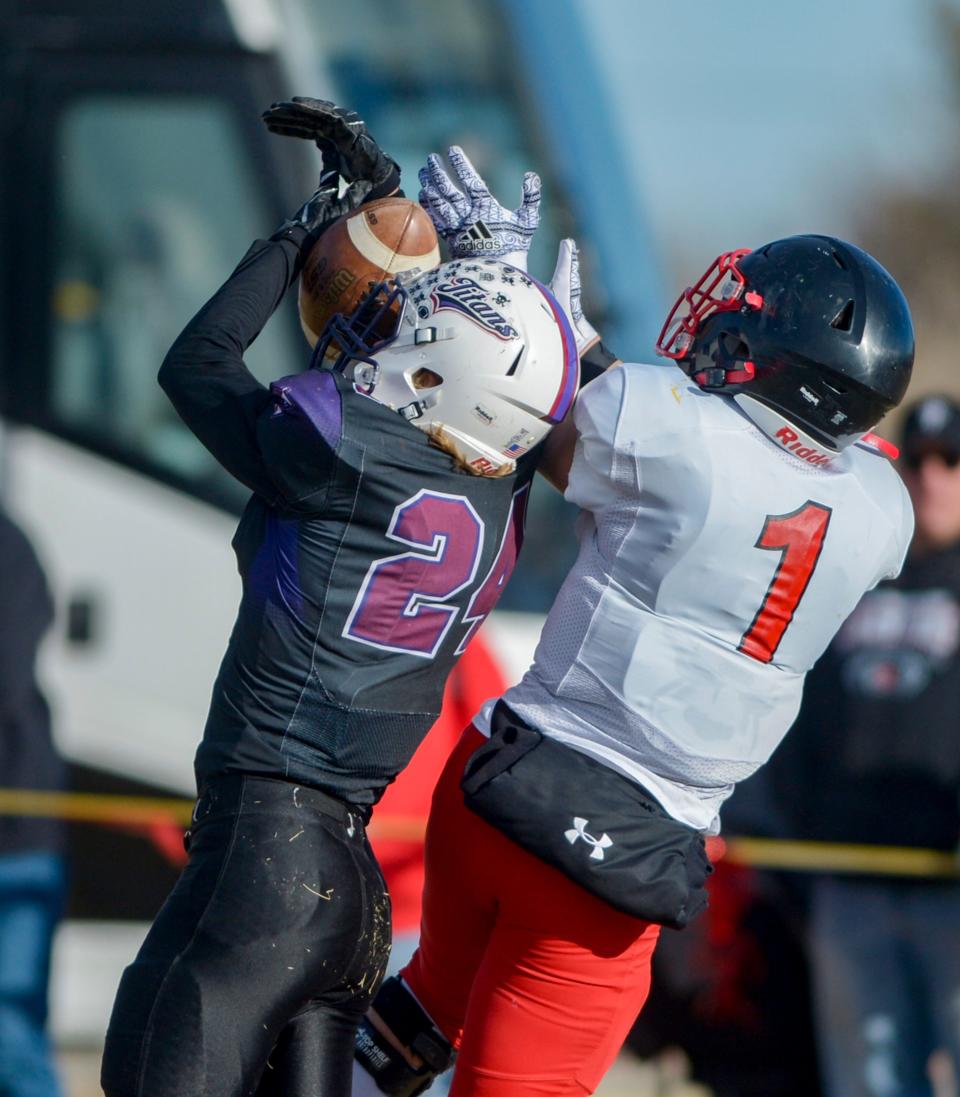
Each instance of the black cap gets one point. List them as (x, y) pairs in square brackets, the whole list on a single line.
[(932, 425)]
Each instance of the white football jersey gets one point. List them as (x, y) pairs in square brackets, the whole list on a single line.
[(716, 563)]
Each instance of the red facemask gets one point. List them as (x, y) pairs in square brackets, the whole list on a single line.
[(722, 288)]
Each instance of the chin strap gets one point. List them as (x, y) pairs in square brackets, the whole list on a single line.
[(716, 377), (366, 377), (416, 408), (418, 337)]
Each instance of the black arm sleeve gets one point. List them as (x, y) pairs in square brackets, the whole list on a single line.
[(204, 374)]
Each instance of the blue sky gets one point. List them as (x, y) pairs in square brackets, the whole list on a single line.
[(749, 121)]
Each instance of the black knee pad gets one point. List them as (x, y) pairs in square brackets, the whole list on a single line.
[(412, 1027)]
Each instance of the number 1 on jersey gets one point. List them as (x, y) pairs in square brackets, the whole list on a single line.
[(799, 537)]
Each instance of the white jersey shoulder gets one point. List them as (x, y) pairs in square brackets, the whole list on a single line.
[(716, 563)]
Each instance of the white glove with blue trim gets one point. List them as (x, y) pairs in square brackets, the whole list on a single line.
[(471, 220), (565, 286)]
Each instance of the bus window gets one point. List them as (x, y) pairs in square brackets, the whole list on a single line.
[(429, 73), (425, 74), (156, 201)]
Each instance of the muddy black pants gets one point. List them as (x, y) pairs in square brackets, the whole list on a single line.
[(262, 960)]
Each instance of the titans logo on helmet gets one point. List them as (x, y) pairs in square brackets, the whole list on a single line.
[(466, 296)]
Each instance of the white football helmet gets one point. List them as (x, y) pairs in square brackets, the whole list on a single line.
[(478, 352)]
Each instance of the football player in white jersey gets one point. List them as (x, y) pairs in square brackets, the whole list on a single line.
[(734, 511)]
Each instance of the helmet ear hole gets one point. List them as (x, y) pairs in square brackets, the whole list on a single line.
[(734, 348), (426, 378)]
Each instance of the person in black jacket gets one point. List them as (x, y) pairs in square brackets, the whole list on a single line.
[(874, 759), (32, 863), (386, 516)]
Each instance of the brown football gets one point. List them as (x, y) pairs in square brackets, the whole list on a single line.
[(371, 244)]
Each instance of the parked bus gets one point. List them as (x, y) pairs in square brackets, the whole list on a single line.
[(135, 173)]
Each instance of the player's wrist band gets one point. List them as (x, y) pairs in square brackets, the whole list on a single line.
[(293, 232), (595, 361)]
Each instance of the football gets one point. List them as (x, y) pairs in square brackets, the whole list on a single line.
[(372, 244)]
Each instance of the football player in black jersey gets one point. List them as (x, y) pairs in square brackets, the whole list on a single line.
[(389, 492)]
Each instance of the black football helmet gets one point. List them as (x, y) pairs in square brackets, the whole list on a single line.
[(810, 326)]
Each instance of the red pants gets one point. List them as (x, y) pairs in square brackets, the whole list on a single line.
[(535, 980)]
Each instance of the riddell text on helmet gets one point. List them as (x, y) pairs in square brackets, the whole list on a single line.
[(790, 440)]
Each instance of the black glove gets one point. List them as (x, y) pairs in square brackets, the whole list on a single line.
[(320, 210), (341, 136)]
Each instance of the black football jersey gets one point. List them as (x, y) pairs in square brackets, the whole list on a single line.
[(368, 558)]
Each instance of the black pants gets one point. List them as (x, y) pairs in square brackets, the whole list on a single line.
[(262, 960)]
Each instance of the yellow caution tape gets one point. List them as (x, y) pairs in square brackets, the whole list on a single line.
[(837, 857), (93, 807), (98, 807), (769, 853)]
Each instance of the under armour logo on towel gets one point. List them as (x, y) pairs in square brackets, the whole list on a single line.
[(579, 830)]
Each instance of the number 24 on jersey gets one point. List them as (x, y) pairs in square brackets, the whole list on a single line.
[(410, 601)]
